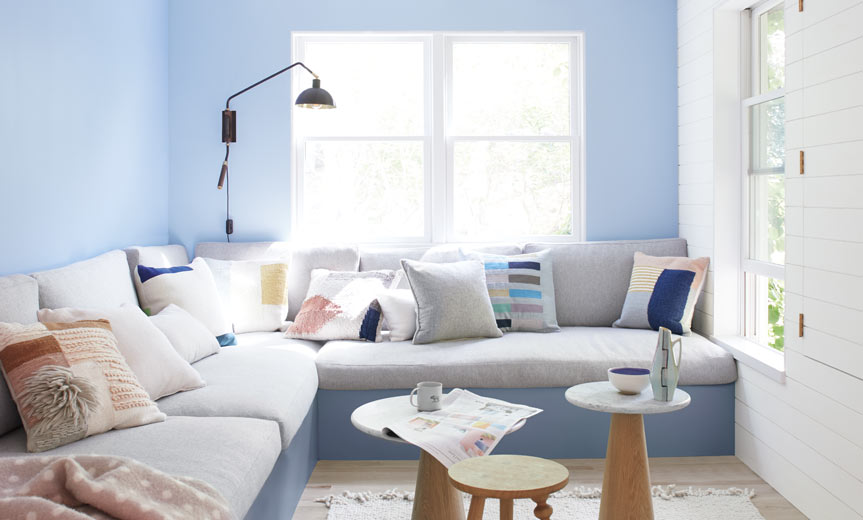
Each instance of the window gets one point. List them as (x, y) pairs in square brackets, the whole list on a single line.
[(440, 137), (764, 182)]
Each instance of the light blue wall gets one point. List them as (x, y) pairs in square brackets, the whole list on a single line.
[(83, 129), (220, 46)]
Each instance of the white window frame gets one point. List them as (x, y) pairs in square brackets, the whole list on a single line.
[(437, 139), (751, 77), (731, 85)]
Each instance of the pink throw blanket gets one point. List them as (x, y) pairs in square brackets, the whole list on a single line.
[(80, 487)]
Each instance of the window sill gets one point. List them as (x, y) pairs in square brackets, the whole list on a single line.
[(766, 361)]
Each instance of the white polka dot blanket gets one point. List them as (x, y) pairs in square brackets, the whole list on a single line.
[(81, 487)]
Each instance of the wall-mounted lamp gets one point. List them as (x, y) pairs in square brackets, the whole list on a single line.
[(314, 97)]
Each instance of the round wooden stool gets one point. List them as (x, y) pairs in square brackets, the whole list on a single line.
[(508, 477)]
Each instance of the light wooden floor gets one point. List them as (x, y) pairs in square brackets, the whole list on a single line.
[(333, 477)]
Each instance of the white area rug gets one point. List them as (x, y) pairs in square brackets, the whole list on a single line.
[(669, 503)]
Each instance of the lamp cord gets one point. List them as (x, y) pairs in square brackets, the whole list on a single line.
[(227, 189)]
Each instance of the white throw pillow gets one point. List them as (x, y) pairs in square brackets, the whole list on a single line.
[(189, 337), (190, 287), (254, 293), (400, 311), (158, 367), (341, 305)]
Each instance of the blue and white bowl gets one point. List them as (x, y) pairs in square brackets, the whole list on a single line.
[(629, 380)]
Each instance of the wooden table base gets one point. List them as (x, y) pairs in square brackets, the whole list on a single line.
[(626, 481), (434, 497)]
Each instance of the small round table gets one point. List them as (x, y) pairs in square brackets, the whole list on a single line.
[(434, 497), (626, 481), (508, 477)]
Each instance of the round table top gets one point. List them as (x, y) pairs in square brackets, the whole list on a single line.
[(508, 476), (371, 418), (603, 397)]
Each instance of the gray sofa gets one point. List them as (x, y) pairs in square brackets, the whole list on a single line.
[(273, 406)]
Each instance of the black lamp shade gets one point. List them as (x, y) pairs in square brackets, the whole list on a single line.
[(315, 97)]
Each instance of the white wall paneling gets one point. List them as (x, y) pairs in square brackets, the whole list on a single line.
[(802, 433)]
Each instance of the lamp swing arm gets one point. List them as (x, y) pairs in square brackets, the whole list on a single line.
[(268, 78)]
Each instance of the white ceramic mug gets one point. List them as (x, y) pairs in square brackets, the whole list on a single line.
[(429, 396)]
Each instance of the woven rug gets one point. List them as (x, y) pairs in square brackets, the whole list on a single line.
[(669, 503)]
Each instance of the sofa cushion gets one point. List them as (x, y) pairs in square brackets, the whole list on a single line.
[(19, 302), (517, 360), (373, 258), (278, 340), (156, 256), (99, 282), (301, 260), (591, 278), (260, 382), (235, 455)]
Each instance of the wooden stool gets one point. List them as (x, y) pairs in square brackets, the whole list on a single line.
[(508, 477)]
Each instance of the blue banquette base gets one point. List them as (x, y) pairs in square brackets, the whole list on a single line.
[(704, 428)]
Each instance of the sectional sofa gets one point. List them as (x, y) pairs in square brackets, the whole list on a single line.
[(273, 407)]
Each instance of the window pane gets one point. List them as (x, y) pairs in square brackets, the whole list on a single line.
[(377, 87), (503, 89), (766, 321), (767, 218), (363, 189), (772, 45), (767, 135), (512, 189)]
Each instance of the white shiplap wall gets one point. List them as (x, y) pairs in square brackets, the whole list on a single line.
[(803, 436), (695, 152)]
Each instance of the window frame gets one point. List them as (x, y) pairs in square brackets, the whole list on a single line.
[(751, 96), (438, 140)]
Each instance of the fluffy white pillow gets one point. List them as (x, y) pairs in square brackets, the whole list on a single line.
[(341, 305), (190, 287), (158, 367), (189, 337), (400, 311), (254, 293)]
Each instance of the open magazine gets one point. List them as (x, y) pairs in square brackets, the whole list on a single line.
[(467, 425)]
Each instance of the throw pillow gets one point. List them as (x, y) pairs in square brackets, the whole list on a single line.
[(254, 294), (400, 311), (191, 287), (662, 293), (69, 381), (189, 337), (158, 367), (452, 301), (521, 289), (342, 305)]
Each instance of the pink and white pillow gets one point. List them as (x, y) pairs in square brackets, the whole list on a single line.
[(342, 305)]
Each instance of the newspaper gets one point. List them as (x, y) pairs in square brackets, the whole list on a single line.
[(467, 425)]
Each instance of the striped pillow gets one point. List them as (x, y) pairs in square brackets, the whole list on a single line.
[(521, 288), (662, 293)]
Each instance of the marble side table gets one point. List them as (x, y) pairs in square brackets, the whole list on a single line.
[(434, 498), (626, 480)]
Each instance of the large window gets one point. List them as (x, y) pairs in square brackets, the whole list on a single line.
[(764, 183), (440, 137)]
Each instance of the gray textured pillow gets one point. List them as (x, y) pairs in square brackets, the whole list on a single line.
[(452, 301)]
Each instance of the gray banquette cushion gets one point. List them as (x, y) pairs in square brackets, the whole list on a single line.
[(102, 281), (275, 381), (301, 261), (372, 258), (19, 303), (591, 278), (517, 360), (233, 454)]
